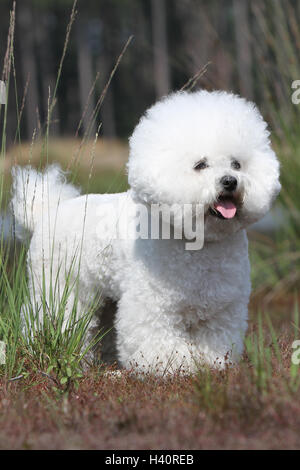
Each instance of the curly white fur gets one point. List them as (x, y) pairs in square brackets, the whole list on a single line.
[(177, 309)]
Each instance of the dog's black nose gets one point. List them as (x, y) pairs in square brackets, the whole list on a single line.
[(229, 183)]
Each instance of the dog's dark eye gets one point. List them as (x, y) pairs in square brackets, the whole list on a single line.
[(235, 165), (201, 165)]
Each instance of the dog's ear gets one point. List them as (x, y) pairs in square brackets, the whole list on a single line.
[(262, 184)]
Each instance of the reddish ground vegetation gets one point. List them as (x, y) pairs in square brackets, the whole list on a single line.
[(215, 410)]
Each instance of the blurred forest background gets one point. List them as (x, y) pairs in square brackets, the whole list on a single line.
[(248, 47), (172, 41)]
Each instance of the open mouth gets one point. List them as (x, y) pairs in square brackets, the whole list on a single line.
[(224, 208)]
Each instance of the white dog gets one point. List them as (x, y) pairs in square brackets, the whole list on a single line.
[(177, 308)]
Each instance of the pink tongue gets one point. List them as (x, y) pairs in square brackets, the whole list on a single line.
[(226, 208)]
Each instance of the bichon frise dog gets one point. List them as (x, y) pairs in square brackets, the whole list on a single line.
[(177, 306)]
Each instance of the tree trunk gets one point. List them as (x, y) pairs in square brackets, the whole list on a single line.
[(107, 109), (26, 33), (85, 74), (243, 47), (47, 65), (160, 48)]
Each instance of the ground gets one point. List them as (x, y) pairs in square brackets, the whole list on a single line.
[(248, 407)]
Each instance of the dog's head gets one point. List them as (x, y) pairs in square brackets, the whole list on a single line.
[(205, 148)]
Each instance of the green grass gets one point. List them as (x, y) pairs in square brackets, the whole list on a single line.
[(276, 259), (40, 339), (33, 325)]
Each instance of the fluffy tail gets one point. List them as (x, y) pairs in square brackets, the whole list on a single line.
[(34, 193)]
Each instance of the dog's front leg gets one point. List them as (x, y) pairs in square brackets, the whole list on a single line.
[(146, 340)]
